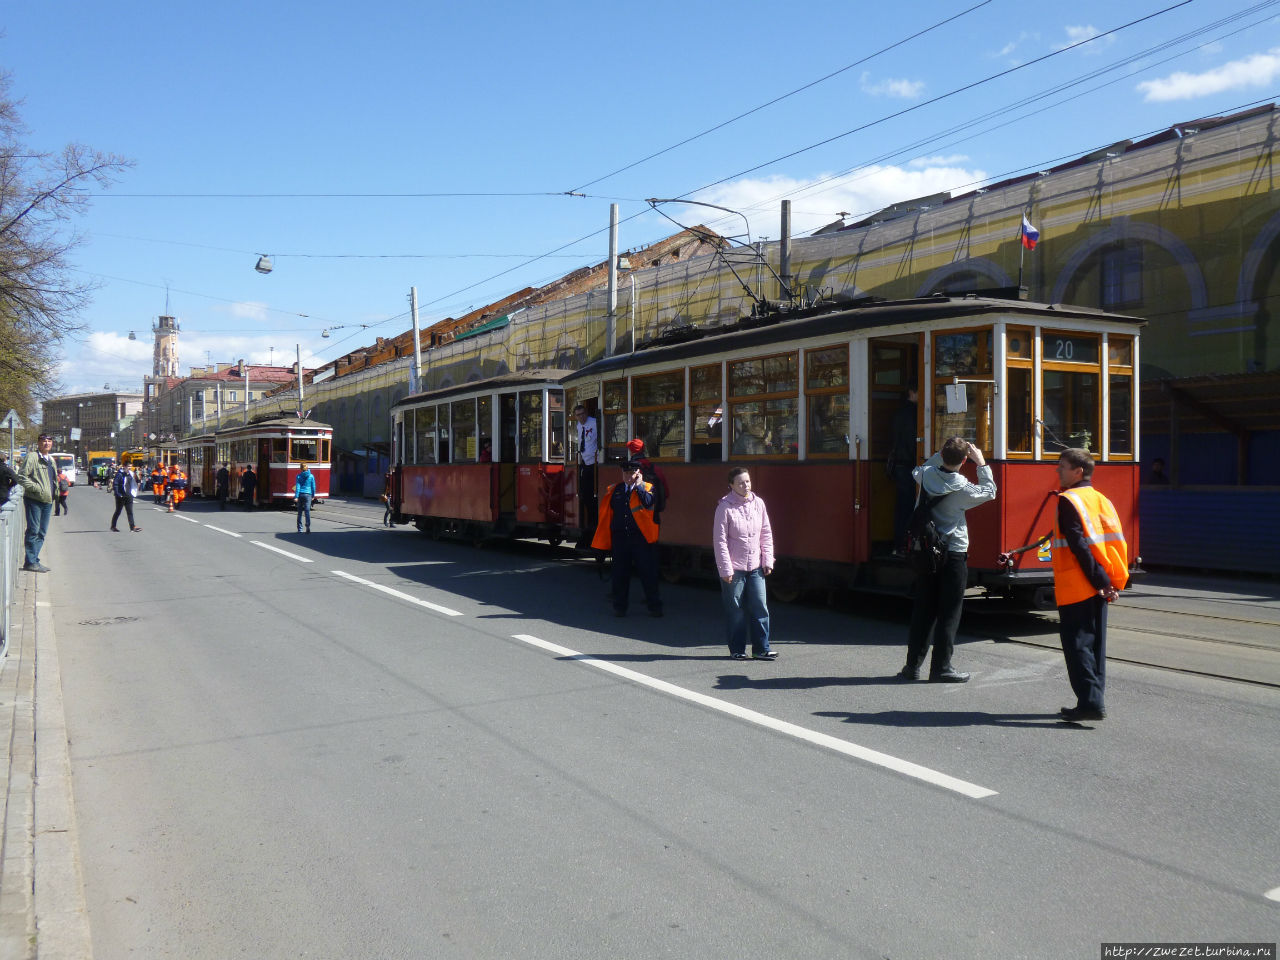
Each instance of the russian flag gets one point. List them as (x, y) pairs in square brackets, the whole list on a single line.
[(1030, 235)]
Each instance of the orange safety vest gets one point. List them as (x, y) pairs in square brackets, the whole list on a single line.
[(1106, 542), (643, 516)]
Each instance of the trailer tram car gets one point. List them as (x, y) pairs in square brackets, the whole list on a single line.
[(276, 448), (807, 404), (484, 459)]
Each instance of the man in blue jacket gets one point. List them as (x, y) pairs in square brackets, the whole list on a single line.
[(304, 489)]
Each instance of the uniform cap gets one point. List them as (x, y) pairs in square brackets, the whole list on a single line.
[(635, 446)]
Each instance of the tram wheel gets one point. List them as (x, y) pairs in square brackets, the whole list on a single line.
[(671, 574), (788, 590)]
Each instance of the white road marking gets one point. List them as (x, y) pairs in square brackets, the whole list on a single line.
[(283, 553), (229, 533), (188, 519), (846, 747), (1273, 893), (399, 594)]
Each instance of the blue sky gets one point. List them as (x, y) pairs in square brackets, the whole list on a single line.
[(433, 146)]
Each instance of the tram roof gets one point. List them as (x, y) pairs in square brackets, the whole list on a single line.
[(749, 332), (523, 378)]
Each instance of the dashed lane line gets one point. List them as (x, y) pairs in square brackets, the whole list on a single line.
[(188, 519), (846, 747), (283, 553), (229, 533), (399, 594)]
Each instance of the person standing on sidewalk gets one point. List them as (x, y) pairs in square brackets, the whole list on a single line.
[(742, 542), (125, 487), (39, 477), (1090, 568), (304, 489), (222, 486), (939, 596)]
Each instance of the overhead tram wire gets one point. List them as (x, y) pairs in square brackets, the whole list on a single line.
[(931, 142), (779, 99), (934, 100)]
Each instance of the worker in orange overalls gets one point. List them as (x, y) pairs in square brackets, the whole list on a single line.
[(176, 487), (157, 482)]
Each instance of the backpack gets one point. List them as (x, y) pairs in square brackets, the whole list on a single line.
[(926, 547)]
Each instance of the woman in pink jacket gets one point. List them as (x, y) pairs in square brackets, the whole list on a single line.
[(743, 544)]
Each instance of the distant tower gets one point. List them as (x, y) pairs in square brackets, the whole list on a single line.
[(164, 362)]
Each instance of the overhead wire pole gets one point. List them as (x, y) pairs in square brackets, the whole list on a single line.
[(415, 380), (611, 321)]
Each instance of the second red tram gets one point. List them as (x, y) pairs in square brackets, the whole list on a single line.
[(276, 448), (808, 405)]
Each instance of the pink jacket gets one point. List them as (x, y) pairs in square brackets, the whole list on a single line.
[(741, 537)]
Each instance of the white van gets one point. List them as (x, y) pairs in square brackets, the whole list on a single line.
[(66, 464)]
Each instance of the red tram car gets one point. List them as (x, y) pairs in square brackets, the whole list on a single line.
[(808, 404), (276, 448), (485, 459)]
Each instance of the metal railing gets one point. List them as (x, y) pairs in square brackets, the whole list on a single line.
[(13, 520)]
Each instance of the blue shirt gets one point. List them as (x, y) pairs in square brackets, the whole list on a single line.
[(305, 484)]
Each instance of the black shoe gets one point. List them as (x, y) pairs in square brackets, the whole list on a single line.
[(35, 567), (1078, 714), (115, 530), (906, 673), (738, 656), (771, 655), (949, 676)]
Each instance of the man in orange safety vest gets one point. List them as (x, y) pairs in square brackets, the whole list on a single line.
[(1090, 568)]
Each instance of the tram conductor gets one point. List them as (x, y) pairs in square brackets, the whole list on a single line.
[(628, 528)]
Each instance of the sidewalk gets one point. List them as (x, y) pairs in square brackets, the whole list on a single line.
[(42, 908)]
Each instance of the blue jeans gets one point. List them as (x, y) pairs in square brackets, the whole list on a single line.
[(304, 510), (746, 611), (37, 526)]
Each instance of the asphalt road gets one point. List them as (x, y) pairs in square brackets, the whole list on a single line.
[(361, 743)]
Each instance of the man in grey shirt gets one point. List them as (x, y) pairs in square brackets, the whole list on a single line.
[(939, 595)]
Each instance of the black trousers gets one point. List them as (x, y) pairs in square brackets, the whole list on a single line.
[(939, 599), (1083, 629), (635, 553), (125, 504)]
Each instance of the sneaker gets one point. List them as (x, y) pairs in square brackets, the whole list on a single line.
[(136, 529), (35, 567), (115, 529), (738, 656), (771, 655)]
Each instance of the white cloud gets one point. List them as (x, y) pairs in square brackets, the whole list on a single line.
[(1081, 34), (1009, 48), (247, 310), (1255, 71), (818, 201), (904, 89), (952, 161)]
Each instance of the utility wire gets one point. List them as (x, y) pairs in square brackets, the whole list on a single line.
[(779, 99)]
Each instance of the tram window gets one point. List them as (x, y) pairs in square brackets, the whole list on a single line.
[(507, 427), (963, 353), (1019, 344), (484, 428), (1120, 419), (765, 428), (707, 412), (1018, 400), (463, 421), (1070, 409), (306, 450), (827, 385), (974, 424), (764, 375), (658, 404), (615, 431), (829, 424), (443, 451), (530, 425), (555, 423), (279, 450), (1120, 351), (424, 426)]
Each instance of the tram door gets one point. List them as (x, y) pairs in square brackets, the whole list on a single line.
[(263, 492), (895, 370)]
